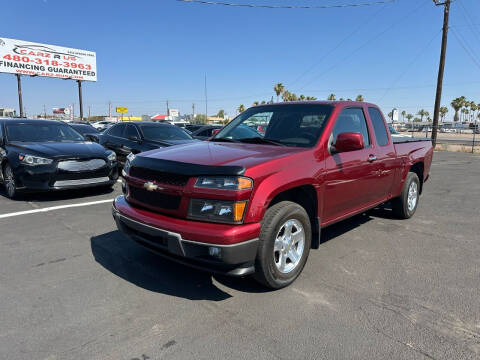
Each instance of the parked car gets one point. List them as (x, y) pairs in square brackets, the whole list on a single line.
[(103, 124), (87, 130), (194, 127), (244, 204), (205, 132), (39, 155), (126, 138)]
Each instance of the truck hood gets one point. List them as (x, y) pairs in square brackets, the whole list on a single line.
[(61, 149), (222, 154)]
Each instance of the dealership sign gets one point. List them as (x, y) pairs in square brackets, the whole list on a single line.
[(61, 111), (28, 58)]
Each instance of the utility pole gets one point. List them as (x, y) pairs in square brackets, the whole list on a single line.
[(109, 109), (168, 110), (88, 113), (193, 112), (441, 67), (20, 101), (206, 101), (44, 112)]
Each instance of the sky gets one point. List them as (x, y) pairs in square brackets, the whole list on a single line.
[(149, 52)]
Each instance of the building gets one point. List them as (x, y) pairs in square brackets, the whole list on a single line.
[(7, 112)]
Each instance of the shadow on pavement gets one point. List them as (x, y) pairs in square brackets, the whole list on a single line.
[(59, 195), (139, 266)]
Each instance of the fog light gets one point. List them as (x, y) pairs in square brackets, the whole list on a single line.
[(214, 251)]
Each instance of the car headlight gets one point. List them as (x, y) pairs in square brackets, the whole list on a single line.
[(34, 160), (224, 182), (217, 210), (112, 157), (126, 167)]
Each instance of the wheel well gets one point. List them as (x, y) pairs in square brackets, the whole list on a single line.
[(306, 197), (417, 168)]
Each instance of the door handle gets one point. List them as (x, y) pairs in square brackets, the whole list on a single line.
[(372, 158)]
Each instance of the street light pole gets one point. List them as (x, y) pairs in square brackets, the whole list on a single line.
[(80, 98), (441, 68)]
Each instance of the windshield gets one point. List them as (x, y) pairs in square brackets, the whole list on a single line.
[(42, 132), (297, 125), (164, 132), (85, 129)]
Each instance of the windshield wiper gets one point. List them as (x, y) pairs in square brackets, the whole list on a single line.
[(260, 140), (224, 140)]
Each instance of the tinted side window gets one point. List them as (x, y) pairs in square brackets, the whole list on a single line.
[(207, 132), (378, 126), (352, 120), (1, 130), (116, 130), (131, 131)]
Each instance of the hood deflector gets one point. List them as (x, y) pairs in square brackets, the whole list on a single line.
[(188, 169)]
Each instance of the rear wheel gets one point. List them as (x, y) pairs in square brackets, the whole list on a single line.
[(406, 204), (285, 240), (9, 181)]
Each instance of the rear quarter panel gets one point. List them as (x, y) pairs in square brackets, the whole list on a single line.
[(409, 153)]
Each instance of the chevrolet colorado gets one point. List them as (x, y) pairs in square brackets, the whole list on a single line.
[(251, 202)]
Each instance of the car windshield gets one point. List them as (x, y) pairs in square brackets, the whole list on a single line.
[(298, 125), (42, 132), (85, 129), (164, 132)]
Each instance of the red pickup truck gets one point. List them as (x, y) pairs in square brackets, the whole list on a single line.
[(254, 202)]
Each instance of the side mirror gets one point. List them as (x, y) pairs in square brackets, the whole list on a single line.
[(91, 137), (135, 138), (349, 141)]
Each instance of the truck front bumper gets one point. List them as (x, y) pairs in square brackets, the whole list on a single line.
[(234, 259)]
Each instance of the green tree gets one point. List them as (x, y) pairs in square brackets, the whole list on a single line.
[(422, 113), (279, 90), (311, 98), (256, 103), (302, 97), (443, 112), (201, 119), (263, 102), (404, 113), (457, 105), (409, 117), (241, 108), (360, 98), (390, 115), (331, 97), (221, 113)]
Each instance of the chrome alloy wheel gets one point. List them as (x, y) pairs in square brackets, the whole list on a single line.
[(9, 181), (289, 246), (412, 196)]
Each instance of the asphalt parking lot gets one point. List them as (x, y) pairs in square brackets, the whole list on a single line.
[(71, 287)]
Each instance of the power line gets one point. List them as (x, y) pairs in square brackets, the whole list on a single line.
[(470, 21), (363, 24), (349, 56), (222, 3), (465, 48)]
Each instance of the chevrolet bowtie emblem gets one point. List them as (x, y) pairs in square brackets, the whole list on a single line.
[(150, 186)]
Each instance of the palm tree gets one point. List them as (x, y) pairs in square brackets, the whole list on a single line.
[(279, 89), (241, 108), (390, 115), (286, 95), (256, 103), (422, 113), (457, 104), (331, 97), (409, 117), (443, 112), (403, 115), (263, 102), (360, 98), (302, 97), (293, 97), (312, 98)]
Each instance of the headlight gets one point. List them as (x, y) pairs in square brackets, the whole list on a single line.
[(217, 210), (126, 167), (112, 157), (224, 182), (34, 160)]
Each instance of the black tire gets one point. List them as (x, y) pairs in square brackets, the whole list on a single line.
[(266, 270), (400, 205), (9, 182)]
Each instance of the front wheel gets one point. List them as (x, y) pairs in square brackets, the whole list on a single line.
[(9, 181), (406, 204), (285, 240)]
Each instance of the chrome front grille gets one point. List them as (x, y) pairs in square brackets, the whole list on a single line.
[(81, 165)]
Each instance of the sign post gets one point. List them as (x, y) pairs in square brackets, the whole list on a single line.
[(121, 110), (20, 101), (80, 98)]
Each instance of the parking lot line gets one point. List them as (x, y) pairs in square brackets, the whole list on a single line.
[(53, 208)]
